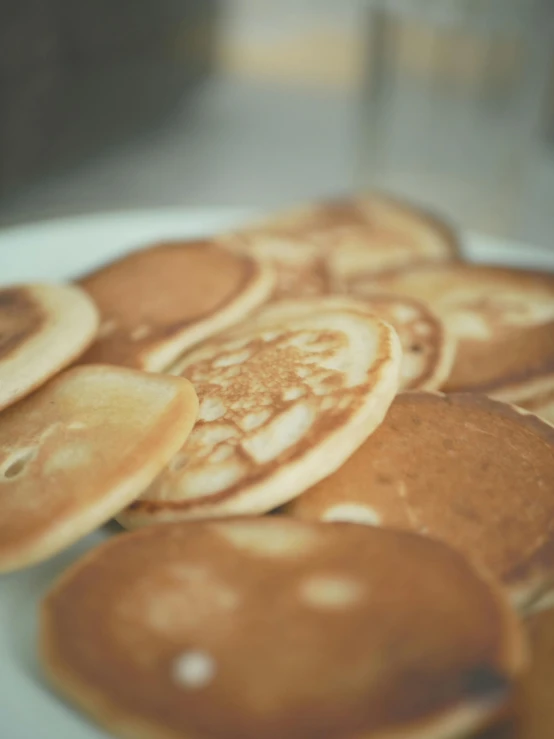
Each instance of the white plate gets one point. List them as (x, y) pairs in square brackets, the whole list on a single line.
[(56, 250)]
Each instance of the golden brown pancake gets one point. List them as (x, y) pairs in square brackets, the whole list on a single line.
[(43, 328), (159, 301), (473, 472), (285, 398), (532, 714), (428, 350), (320, 247), (503, 319), (270, 628), (80, 449)]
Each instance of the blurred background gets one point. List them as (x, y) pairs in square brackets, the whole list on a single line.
[(118, 104)]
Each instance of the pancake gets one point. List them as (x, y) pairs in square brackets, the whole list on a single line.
[(285, 398), (379, 233), (503, 320), (80, 449), (428, 350), (317, 248), (159, 301), (43, 328), (532, 714), (471, 471), (266, 628), (299, 260)]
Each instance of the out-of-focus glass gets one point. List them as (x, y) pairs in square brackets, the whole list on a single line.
[(453, 99)]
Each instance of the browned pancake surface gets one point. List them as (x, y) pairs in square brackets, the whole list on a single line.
[(276, 628), (471, 471), (428, 350), (152, 298), (520, 357), (503, 319), (532, 714)]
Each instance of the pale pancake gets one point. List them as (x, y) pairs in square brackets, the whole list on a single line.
[(159, 301), (80, 449), (503, 320), (276, 628), (43, 328), (284, 400), (317, 248), (532, 714), (473, 472)]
